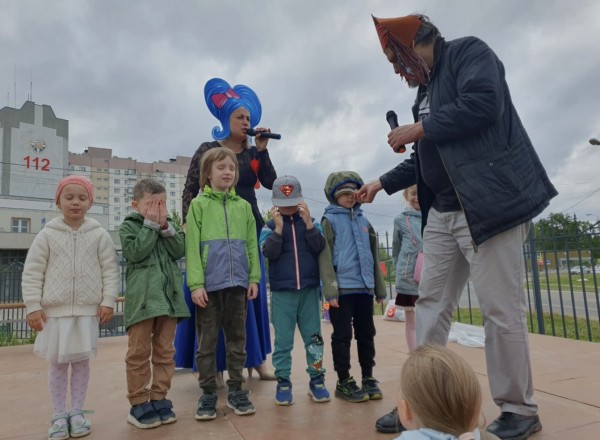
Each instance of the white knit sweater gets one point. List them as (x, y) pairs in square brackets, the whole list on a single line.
[(70, 273)]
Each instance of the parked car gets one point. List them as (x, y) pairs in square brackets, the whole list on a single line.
[(578, 270)]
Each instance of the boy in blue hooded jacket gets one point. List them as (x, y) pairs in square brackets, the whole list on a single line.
[(351, 277)]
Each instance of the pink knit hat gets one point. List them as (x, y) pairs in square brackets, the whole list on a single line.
[(75, 180)]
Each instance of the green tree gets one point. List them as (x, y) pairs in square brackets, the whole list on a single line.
[(561, 232), (176, 218)]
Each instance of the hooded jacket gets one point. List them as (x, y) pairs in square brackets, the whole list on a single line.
[(405, 251), (490, 160), (293, 255), (349, 263), (154, 280), (221, 243), (70, 273)]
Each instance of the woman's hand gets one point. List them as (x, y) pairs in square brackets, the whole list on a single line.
[(36, 320), (261, 142)]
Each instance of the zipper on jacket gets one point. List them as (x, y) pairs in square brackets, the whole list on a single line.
[(295, 254), (74, 241), (228, 240), (475, 247)]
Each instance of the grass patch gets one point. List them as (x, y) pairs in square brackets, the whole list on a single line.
[(9, 339), (566, 327), (566, 282)]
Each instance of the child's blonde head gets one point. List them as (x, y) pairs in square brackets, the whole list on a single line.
[(216, 155), (441, 390)]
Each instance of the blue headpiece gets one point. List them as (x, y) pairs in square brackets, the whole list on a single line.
[(222, 100)]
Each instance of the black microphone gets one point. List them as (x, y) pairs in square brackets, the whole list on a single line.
[(265, 134), (392, 119)]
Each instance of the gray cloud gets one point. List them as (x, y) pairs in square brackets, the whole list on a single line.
[(130, 75)]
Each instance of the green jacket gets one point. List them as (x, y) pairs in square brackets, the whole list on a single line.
[(154, 281), (221, 242)]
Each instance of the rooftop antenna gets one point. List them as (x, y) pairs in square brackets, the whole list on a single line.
[(15, 86), (31, 85)]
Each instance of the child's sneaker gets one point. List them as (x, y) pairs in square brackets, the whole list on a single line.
[(348, 390), (207, 407), (316, 389), (283, 395), (143, 416), (164, 409), (238, 401), (369, 386)]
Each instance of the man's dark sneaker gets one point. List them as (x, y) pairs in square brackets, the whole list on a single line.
[(207, 407), (143, 416), (317, 390), (238, 401), (511, 426), (348, 390), (369, 386), (283, 394), (164, 409), (390, 423)]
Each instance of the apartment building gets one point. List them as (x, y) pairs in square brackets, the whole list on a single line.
[(114, 178)]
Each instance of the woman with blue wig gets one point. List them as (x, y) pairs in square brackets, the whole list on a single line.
[(238, 109)]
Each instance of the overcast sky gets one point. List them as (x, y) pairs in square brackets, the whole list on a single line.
[(129, 75)]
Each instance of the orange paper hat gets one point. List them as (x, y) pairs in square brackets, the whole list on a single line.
[(403, 29)]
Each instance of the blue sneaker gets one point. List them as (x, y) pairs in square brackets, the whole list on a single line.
[(317, 389), (283, 395)]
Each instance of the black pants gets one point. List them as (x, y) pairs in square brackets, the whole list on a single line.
[(354, 311)]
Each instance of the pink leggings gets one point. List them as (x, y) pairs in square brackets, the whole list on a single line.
[(58, 381)]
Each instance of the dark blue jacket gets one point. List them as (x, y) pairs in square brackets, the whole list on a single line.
[(293, 255), (496, 173)]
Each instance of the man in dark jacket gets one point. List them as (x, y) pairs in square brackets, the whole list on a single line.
[(480, 182)]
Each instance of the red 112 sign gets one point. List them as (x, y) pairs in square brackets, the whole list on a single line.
[(37, 163)]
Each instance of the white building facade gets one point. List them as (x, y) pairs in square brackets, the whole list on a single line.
[(35, 156)]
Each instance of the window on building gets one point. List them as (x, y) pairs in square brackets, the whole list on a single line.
[(171, 185), (81, 168), (117, 172), (172, 202), (117, 181), (71, 168), (117, 190), (20, 225), (117, 200), (172, 193), (117, 218)]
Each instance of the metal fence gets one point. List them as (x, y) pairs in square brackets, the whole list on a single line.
[(562, 281), (562, 278)]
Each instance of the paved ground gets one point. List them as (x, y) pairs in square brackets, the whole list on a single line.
[(566, 376)]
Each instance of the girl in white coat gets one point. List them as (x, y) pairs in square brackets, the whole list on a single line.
[(70, 283)]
